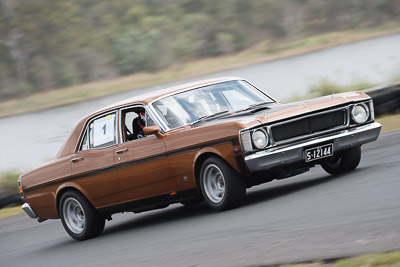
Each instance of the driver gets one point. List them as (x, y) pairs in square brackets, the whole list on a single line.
[(138, 124)]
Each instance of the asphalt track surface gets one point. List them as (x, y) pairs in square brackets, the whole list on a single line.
[(309, 217)]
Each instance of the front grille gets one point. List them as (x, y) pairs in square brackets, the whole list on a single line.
[(309, 125)]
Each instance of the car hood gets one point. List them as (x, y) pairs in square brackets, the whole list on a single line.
[(277, 111)]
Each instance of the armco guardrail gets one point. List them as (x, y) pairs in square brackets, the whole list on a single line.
[(386, 99)]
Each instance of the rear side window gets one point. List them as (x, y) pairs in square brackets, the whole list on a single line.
[(85, 143), (101, 133)]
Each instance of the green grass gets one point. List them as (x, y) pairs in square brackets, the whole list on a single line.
[(264, 51), (389, 123), (372, 260), (327, 87), (8, 184), (388, 259), (10, 211), (8, 181)]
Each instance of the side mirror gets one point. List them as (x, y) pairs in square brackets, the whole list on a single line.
[(152, 130)]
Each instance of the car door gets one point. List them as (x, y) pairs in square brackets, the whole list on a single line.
[(92, 165), (143, 166)]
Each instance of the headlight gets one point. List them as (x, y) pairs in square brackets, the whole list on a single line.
[(360, 113), (260, 139)]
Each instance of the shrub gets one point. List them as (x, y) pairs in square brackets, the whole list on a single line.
[(327, 87), (8, 182)]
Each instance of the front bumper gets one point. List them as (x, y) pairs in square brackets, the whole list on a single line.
[(29, 211), (280, 156)]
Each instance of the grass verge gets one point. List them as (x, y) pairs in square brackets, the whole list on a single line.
[(8, 182), (389, 123), (326, 87), (9, 185), (375, 260), (389, 259), (10, 211), (265, 51)]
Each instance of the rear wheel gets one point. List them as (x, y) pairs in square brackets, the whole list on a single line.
[(222, 187), (79, 218), (343, 161)]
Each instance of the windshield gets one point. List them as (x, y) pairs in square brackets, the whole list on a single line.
[(187, 107)]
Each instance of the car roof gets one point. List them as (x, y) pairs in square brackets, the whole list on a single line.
[(151, 96), (69, 145)]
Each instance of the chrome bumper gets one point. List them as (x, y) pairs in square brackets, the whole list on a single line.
[(273, 157), (29, 211)]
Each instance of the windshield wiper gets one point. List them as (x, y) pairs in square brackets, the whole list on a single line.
[(209, 116), (255, 105)]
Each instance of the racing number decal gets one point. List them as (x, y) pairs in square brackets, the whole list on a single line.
[(104, 129)]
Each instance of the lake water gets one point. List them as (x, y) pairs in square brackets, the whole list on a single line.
[(29, 140)]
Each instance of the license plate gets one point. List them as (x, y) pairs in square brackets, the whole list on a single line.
[(318, 152)]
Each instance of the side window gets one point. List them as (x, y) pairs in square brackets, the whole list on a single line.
[(85, 143), (100, 133), (149, 120), (134, 120)]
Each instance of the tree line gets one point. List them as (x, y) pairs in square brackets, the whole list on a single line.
[(47, 44)]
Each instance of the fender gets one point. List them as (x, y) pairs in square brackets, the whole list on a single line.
[(224, 151), (74, 186)]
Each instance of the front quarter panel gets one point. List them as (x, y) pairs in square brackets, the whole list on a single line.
[(185, 146)]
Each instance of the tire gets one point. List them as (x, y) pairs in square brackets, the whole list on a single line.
[(343, 161), (222, 187), (79, 218)]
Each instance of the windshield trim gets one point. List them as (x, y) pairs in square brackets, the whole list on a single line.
[(165, 128)]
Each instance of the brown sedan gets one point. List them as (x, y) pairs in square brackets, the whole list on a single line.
[(208, 140)]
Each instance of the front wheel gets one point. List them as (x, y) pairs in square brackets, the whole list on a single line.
[(78, 217), (222, 187), (343, 161)]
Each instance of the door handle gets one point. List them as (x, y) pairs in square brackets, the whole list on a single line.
[(120, 151), (75, 160)]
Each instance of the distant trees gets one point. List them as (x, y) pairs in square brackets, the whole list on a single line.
[(46, 44)]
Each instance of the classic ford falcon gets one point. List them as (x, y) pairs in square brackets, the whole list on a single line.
[(208, 140)]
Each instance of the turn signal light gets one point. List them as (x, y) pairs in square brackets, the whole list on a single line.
[(21, 193)]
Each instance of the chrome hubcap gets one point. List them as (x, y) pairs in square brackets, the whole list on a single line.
[(214, 183), (74, 215)]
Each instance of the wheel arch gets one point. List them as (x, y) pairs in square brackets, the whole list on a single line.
[(234, 181), (200, 158), (70, 187)]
